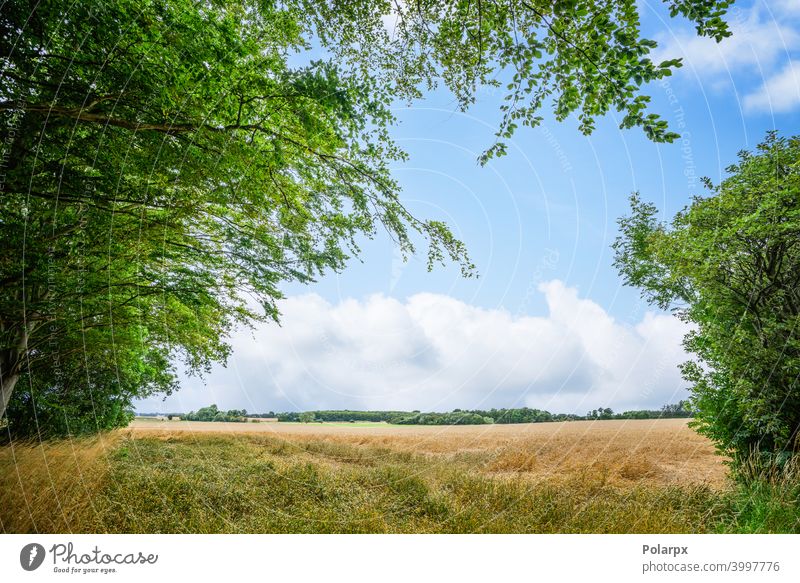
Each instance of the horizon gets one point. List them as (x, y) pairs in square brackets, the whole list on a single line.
[(457, 410)]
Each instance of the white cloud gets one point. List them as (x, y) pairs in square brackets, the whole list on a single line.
[(756, 60), (433, 352), (778, 94), (758, 42), (784, 7)]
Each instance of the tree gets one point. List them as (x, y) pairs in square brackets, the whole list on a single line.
[(166, 169), (584, 56), (207, 413), (163, 200), (729, 264), (306, 417), (71, 395)]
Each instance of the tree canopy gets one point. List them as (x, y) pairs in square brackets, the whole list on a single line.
[(213, 413), (729, 264), (169, 164), (587, 57), (167, 171)]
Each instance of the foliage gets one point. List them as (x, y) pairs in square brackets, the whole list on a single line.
[(212, 413), (269, 415), (678, 410), (86, 397), (79, 411), (482, 417), (728, 264), (453, 418), (343, 415), (521, 415), (582, 56), (164, 205), (307, 417), (604, 413)]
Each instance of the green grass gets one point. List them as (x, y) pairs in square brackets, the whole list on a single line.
[(762, 506)]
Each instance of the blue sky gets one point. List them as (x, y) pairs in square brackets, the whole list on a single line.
[(547, 323)]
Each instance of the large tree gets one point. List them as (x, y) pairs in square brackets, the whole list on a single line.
[(729, 264), (168, 164), (167, 170)]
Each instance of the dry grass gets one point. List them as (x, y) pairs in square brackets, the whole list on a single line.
[(663, 451), (609, 476), (43, 486)]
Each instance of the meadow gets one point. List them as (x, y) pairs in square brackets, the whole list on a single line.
[(644, 476)]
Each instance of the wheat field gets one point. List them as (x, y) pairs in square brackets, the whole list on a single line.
[(602, 476), (658, 451)]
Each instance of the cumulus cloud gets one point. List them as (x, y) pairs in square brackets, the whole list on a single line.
[(778, 94), (758, 42), (433, 352), (787, 8), (757, 57)]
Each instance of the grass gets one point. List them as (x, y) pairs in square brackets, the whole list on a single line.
[(148, 481), (764, 499)]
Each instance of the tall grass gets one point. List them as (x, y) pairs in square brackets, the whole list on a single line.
[(766, 498), (246, 483), (48, 486)]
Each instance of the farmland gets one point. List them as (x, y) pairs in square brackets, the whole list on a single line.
[(651, 451), (162, 476)]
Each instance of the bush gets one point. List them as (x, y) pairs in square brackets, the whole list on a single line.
[(306, 417), (728, 264)]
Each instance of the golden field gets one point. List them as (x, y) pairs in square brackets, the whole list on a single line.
[(662, 451), (161, 476)]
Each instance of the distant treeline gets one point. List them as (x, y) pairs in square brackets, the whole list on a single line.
[(345, 415), (455, 417), (674, 411), (527, 415), (483, 416), (212, 413)]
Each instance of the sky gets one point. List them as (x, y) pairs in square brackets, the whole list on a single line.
[(548, 323)]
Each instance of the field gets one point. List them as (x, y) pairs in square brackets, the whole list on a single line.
[(161, 476), (654, 451)]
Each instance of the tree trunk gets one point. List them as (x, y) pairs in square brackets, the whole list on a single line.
[(7, 383), (10, 360)]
